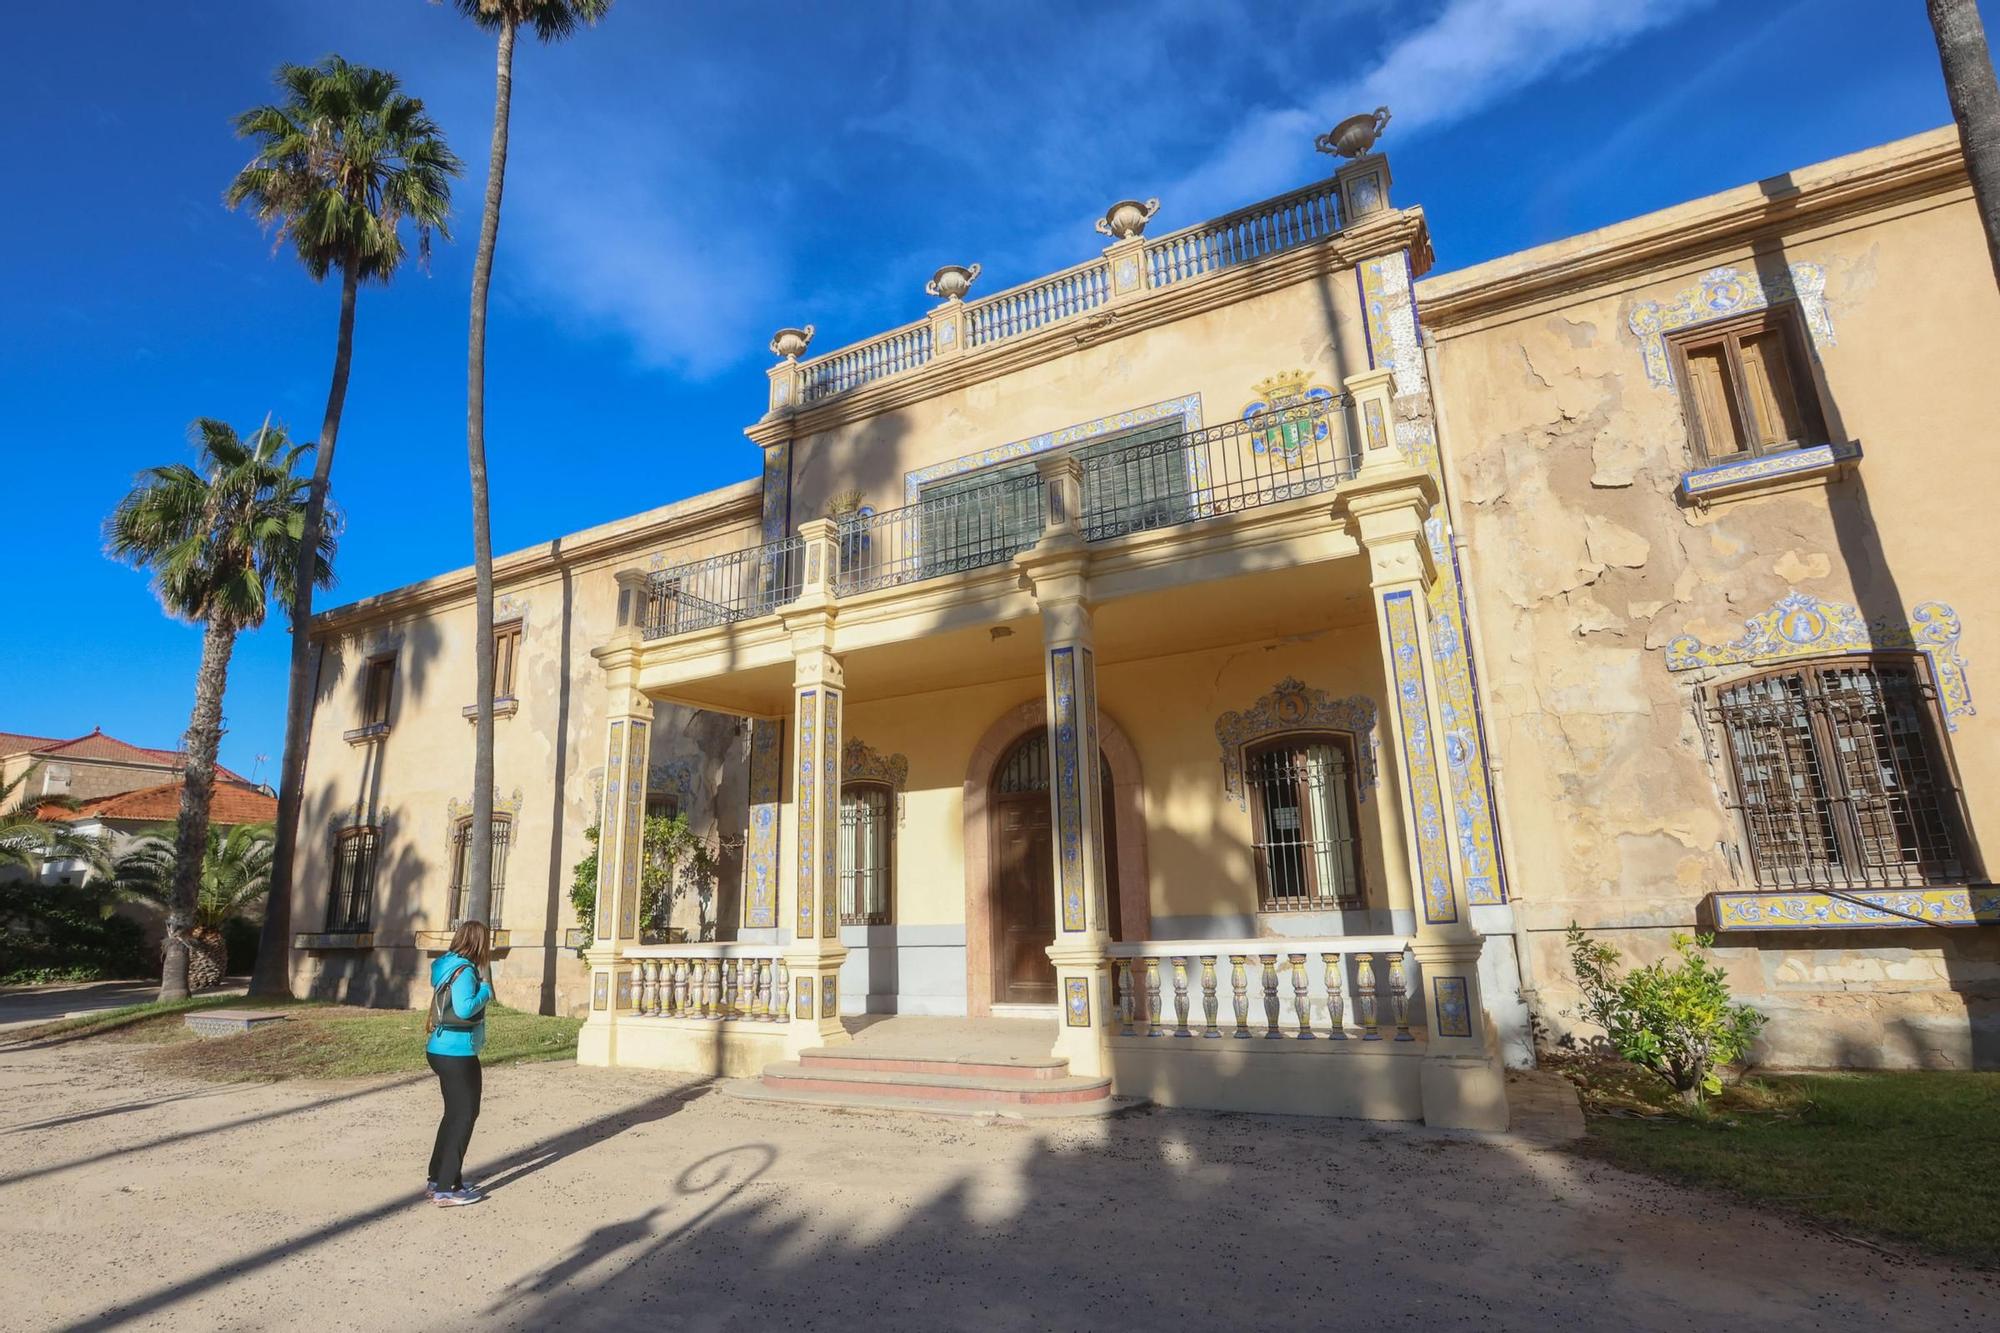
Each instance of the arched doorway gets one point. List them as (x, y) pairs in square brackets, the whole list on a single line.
[(1022, 874)]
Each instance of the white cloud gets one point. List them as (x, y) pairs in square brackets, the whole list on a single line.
[(1472, 54)]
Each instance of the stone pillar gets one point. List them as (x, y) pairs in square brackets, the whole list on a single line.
[(1057, 569), (1126, 259), (819, 689), (948, 330), (1364, 187), (1374, 419), (1463, 1083), (620, 831)]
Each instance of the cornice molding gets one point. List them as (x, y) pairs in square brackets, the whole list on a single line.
[(1402, 229), (739, 502), (1925, 166)]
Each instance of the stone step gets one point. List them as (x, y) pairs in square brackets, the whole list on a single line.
[(1006, 1090), (781, 1092), (863, 1056)]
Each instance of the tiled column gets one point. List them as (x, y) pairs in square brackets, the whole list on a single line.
[(1057, 567), (819, 689), (1462, 1080), (620, 830)]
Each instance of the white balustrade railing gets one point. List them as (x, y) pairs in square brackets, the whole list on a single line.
[(1283, 223), (713, 982), (1048, 301), (878, 358), (1337, 988)]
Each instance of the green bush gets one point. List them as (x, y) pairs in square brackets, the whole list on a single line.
[(60, 932), (1678, 1020)]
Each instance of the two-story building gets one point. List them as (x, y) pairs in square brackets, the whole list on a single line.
[(1231, 658)]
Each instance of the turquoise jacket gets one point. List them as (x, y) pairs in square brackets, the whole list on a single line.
[(468, 995)]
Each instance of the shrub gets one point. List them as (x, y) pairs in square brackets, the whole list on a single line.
[(1675, 1017), (60, 932)]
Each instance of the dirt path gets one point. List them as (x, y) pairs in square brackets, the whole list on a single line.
[(631, 1201)]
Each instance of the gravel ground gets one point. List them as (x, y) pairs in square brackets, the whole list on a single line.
[(636, 1201)]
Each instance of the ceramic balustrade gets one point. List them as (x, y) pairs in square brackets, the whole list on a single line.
[(1339, 989), (712, 982)]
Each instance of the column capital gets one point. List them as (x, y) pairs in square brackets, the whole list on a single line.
[(1386, 511)]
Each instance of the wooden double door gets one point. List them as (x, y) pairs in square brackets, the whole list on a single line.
[(1022, 879)]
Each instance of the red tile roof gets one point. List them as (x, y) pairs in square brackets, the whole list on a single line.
[(97, 745), (233, 803)]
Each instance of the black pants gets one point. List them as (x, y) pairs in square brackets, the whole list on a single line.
[(458, 1079)]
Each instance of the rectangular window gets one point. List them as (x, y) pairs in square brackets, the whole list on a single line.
[(506, 654), (1747, 385), (661, 806), (376, 688), (351, 903), (1304, 812), (461, 868), (1841, 776), (866, 824)]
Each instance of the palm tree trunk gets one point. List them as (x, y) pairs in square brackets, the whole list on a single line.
[(479, 852), (273, 974), (204, 734), (1975, 105)]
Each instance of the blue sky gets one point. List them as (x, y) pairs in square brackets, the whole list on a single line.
[(685, 179)]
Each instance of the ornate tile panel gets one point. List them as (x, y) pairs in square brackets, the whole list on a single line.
[(1793, 462), (1389, 314), (1293, 705), (635, 826), (1187, 409), (614, 769), (1093, 781), (829, 799), (1719, 294), (1464, 741), (1867, 909), (1801, 625), (767, 743), (1076, 1002), (829, 997), (1419, 760), (1068, 782), (804, 795), (600, 991), (1451, 1007)]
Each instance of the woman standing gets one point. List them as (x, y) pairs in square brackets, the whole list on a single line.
[(459, 995)]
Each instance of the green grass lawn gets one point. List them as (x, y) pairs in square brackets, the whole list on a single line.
[(1902, 1156), (316, 1041)]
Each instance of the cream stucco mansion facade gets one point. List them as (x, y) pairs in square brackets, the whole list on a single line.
[(1244, 652)]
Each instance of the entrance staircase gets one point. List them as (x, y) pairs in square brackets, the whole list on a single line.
[(937, 1066)]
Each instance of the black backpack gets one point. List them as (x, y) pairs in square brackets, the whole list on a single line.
[(444, 1015)]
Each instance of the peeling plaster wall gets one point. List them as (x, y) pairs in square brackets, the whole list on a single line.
[(1563, 458)]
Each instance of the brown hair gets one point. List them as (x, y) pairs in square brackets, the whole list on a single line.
[(469, 941)]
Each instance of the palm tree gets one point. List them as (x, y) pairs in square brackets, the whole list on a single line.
[(221, 542), (342, 163), (1975, 105), (552, 20), (235, 871)]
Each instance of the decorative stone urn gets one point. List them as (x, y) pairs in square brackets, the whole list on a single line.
[(952, 282), (1127, 218), (1355, 135), (791, 344)]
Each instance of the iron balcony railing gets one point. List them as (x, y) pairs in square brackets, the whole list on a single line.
[(724, 588), (1279, 454), (971, 528)]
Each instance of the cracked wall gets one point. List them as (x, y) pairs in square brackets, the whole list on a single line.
[(1563, 457)]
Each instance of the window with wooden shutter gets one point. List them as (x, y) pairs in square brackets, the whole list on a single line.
[(1747, 386), (1841, 775), (376, 690), (506, 657)]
